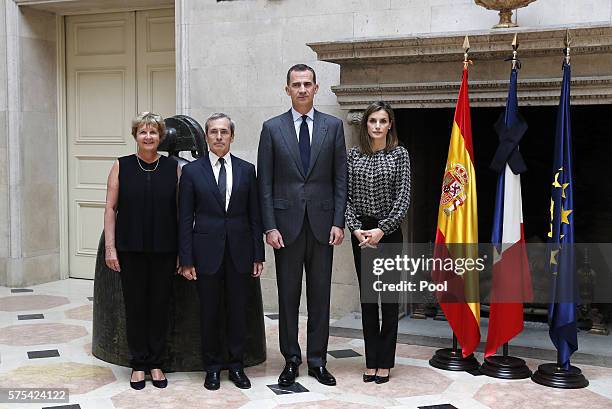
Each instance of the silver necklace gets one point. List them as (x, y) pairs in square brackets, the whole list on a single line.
[(148, 170)]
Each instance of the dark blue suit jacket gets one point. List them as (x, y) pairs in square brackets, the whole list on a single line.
[(205, 226), (287, 192)]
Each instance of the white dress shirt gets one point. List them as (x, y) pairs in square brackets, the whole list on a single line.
[(216, 167), (297, 122)]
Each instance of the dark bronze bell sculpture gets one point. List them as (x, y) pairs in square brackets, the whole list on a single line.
[(183, 352)]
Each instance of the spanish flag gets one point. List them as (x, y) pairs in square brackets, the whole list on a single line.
[(457, 227)]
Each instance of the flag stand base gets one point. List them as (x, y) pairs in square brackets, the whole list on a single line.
[(555, 377), (505, 367), (451, 359)]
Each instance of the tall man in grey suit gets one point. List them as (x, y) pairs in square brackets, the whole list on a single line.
[(301, 166)]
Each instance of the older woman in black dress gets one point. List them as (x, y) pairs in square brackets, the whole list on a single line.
[(378, 200), (140, 230)]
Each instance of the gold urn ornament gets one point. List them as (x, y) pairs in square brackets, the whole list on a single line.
[(505, 8)]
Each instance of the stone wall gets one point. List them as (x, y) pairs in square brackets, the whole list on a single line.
[(29, 188), (4, 218), (237, 54)]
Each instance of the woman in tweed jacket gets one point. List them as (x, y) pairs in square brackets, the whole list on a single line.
[(378, 200)]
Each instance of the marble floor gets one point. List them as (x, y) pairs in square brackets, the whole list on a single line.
[(45, 342)]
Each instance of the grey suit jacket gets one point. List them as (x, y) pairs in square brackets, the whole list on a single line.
[(287, 192)]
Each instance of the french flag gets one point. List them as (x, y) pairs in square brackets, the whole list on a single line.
[(511, 275)]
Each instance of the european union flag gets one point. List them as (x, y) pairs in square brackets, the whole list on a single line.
[(562, 311)]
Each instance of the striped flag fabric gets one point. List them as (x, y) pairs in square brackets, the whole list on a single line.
[(511, 276), (458, 226)]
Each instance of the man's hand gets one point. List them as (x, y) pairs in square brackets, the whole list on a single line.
[(275, 239), (110, 257), (257, 269), (363, 240), (189, 272), (336, 235)]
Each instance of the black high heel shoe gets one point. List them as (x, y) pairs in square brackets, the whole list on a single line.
[(138, 385), (382, 379), (369, 378), (162, 383)]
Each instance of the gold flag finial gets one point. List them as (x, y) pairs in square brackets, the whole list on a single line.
[(515, 46), (466, 48), (515, 42), (568, 43), (568, 38), (466, 44)]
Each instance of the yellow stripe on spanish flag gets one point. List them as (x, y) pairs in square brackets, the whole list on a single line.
[(458, 224)]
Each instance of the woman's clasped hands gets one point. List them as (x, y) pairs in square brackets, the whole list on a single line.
[(369, 238)]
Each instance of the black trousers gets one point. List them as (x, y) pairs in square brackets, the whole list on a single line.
[(380, 338), (230, 287), (305, 253), (146, 280)]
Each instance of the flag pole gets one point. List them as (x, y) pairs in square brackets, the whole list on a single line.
[(561, 375), (451, 359), (506, 366)]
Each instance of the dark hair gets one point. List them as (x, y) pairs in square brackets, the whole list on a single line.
[(220, 115), (301, 67), (365, 142)]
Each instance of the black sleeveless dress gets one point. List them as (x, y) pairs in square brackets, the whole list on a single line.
[(147, 211)]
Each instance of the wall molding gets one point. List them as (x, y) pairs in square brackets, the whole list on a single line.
[(423, 71), (585, 90), (73, 7), (62, 150), (484, 45), (14, 271)]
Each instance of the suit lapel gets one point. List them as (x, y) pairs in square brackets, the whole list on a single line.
[(290, 137), (319, 133), (210, 178), (236, 173)]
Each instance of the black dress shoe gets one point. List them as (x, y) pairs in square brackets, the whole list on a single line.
[(369, 378), (138, 385), (382, 379), (213, 380), (290, 372), (322, 375), (240, 379)]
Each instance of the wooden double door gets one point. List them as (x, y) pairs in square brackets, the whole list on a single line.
[(117, 65)]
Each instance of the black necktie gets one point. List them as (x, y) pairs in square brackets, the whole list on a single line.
[(222, 182), (304, 142)]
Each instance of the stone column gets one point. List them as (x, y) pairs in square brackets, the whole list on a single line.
[(29, 235), (4, 191)]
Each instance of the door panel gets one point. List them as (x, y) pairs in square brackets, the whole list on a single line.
[(101, 100), (155, 61), (117, 64)]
